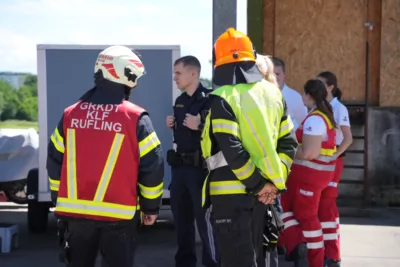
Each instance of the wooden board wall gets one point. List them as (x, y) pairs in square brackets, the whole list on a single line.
[(374, 16), (322, 35), (316, 35), (390, 54)]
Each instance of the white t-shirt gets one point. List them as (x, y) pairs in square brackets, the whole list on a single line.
[(315, 125), (296, 108), (341, 115)]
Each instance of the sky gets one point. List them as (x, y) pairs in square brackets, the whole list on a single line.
[(26, 23)]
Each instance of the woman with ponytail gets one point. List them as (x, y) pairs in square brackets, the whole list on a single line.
[(312, 170), (266, 68), (329, 213)]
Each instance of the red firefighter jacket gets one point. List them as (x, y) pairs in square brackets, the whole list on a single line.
[(100, 177)]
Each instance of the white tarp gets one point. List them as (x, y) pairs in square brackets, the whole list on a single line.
[(19, 153)]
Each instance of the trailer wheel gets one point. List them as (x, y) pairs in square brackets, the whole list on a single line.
[(38, 214)]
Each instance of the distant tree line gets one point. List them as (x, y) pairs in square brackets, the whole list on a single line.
[(22, 103), (19, 104)]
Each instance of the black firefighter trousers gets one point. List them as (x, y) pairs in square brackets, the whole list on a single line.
[(239, 226), (116, 242)]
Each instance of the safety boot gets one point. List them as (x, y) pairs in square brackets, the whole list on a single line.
[(281, 251), (331, 263), (299, 255)]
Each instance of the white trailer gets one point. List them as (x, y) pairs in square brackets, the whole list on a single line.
[(65, 72)]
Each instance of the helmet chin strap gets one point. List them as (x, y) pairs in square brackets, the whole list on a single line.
[(128, 91)]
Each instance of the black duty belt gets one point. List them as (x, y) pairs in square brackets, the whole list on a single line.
[(188, 159)]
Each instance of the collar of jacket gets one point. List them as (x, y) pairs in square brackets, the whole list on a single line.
[(201, 91), (236, 73), (106, 92)]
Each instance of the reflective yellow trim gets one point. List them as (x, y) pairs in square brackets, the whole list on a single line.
[(54, 184), (138, 203), (205, 138), (57, 141), (71, 164), (286, 159), (330, 125), (94, 208), (326, 151), (286, 162), (151, 192), (225, 126), (148, 144), (285, 127), (245, 171), (227, 188), (109, 167)]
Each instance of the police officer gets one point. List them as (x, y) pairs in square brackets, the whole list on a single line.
[(103, 156), (188, 169), (248, 144)]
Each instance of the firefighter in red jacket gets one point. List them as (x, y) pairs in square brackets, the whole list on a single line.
[(104, 161), (312, 170)]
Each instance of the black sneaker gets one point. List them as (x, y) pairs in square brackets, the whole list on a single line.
[(299, 256), (331, 263), (281, 251)]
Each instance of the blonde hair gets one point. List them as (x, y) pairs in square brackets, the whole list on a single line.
[(266, 68)]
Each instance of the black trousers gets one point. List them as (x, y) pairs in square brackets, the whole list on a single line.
[(116, 242), (239, 225), (186, 207)]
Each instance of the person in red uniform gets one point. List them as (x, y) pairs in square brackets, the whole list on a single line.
[(104, 161), (328, 210), (312, 170)]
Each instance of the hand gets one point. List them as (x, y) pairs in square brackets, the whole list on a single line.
[(267, 198), (192, 122), (269, 188), (170, 121), (149, 219)]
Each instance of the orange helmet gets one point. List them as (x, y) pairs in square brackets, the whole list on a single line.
[(233, 46)]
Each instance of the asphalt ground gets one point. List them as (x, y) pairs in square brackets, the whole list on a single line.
[(369, 239)]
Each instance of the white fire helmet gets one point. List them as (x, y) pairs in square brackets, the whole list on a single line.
[(120, 64)]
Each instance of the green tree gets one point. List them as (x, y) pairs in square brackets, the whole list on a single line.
[(31, 80), (27, 109), (19, 104), (11, 101)]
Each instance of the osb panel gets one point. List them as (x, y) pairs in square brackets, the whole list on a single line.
[(317, 35), (269, 27), (390, 54)]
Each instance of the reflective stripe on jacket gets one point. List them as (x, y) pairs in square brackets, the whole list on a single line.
[(326, 160), (101, 183), (242, 133)]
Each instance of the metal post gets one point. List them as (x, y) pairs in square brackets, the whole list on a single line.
[(224, 16)]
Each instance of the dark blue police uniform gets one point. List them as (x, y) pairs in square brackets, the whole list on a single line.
[(188, 175)]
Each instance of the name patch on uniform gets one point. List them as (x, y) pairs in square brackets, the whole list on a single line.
[(179, 105), (96, 118)]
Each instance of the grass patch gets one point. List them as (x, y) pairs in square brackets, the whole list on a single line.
[(15, 124)]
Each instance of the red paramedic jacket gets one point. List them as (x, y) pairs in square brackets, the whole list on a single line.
[(327, 158)]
